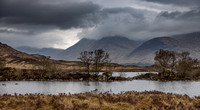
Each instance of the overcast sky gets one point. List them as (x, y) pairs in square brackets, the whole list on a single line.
[(61, 23)]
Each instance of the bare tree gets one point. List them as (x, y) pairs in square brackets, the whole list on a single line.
[(166, 59), (87, 58), (45, 62), (49, 67), (2, 62), (185, 63), (96, 58), (108, 66), (100, 58)]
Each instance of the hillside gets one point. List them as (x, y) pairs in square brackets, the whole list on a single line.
[(43, 51), (118, 47), (14, 58), (190, 42), (20, 60), (184, 42), (73, 52), (144, 54)]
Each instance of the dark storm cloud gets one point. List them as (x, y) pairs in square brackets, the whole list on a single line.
[(192, 14), (193, 3), (45, 20), (65, 14), (133, 12), (35, 21)]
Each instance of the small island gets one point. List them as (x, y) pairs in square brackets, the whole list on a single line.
[(173, 66)]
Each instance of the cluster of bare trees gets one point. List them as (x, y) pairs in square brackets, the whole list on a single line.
[(97, 59), (174, 61), (48, 66)]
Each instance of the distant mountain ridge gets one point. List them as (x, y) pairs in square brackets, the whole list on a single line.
[(126, 51), (145, 53), (156, 44), (43, 51), (118, 47), (185, 42)]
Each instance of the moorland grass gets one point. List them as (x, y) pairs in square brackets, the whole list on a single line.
[(102, 101)]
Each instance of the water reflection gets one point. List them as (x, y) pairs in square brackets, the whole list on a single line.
[(190, 88), (129, 74)]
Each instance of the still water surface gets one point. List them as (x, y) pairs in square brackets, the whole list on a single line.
[(191, 88)]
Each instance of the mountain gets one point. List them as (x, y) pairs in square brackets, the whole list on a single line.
[(73, 52), (118, 47), (44, 51), (191, 40), (17, 59), (126, 51), (185, 42), (155, 44), (191, 43), (123, 50), (20, 60), (27, 49), (144, 54)]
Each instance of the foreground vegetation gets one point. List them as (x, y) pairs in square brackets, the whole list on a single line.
[(91, 101)]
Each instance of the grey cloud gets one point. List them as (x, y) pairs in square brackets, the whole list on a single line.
[(43, 16), (65, 14), (40, 40), (191, 3), (36, 16), (169, 23), (128, 10), (105, 14), (192, 15), (8, 31), (120, 21), (140, 28), (14, 31)]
